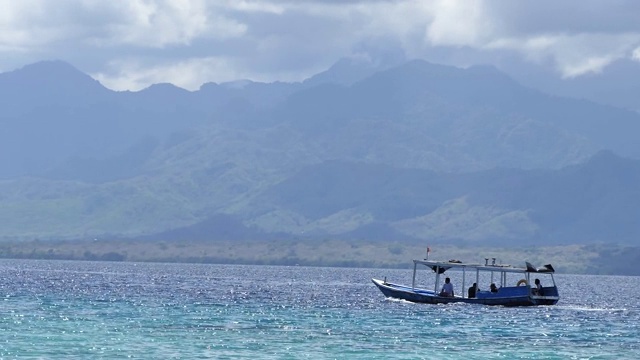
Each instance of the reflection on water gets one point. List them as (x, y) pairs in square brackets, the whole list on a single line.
[(113, 310)]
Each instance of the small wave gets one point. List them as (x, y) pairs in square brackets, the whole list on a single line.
[(586, 308), (398, 300), (402, 301)]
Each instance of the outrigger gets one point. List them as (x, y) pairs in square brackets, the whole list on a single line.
[(511, 291)]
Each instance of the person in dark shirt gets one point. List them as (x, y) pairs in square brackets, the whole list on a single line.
[(473, 290), (494, 288), (537, 290)]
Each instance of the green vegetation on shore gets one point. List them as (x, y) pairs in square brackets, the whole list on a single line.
[(576, 259)]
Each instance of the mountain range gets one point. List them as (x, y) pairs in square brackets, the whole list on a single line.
[(418, 152)]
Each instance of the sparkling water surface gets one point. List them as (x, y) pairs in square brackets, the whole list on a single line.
[(101, 310)]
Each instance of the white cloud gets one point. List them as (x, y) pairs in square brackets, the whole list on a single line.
[(162, 23), (134, 42), (636, 54), (574, 55), (188, 74), (457, 23), (255, 6), (131, 22), (591, 53), (24, 26)]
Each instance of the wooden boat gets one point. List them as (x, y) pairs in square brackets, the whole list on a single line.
[(514, 285)]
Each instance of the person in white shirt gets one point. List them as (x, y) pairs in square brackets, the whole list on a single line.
[(447, 288)]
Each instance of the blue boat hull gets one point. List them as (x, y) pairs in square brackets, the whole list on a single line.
[(516, 296)]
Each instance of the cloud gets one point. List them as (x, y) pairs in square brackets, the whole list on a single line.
[(459, 24), (188, 74), (164, 23), (129, 43), (578, 37), (573, 55), (112, 23), (636, 54), (25, 26)]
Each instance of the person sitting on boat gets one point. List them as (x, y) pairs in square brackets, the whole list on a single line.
[(472, 291), (538, 289), (447, 288), (494, 288)]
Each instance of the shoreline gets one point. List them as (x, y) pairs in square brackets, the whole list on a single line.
[(574, 259)]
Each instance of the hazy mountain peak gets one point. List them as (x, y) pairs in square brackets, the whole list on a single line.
[(165, 88), (419, 67), (49, 65), (345, 71), (238, 84), (208, 86), (49, 76), (607, 158), (423, 65), (51, 70)]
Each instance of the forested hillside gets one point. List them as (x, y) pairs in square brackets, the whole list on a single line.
[(420, 152)]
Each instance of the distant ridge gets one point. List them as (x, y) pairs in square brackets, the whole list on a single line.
[(50, 81), (411, 152)]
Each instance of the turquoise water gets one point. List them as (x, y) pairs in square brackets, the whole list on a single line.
[(82, 310)]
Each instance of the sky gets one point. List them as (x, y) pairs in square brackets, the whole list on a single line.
[(131, 44)]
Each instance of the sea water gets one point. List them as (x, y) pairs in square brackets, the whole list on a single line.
[(102, 310)]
